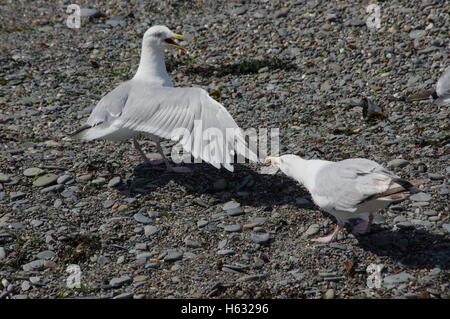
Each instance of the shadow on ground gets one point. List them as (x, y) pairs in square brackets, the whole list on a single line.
[(251, 187), (413, 248), (251, 66)]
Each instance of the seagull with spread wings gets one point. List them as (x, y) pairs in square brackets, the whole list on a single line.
[(149, 104)]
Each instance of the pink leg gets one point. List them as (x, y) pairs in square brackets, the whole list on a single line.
[(363, 227), (177, 169), (332, 237), (144, 157)]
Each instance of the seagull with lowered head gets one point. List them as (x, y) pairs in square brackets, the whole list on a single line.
[(149, 104), (349, 189)]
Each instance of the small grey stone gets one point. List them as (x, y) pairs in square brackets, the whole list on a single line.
[(329, 294), (90, 13), (34, 265), (399, 162), (154, 214), (53, 188), (338, 246), (142, 219), (430, 213), (117, 21), (232, 228), (108, 203), (141, 246), (397, 207), (238, 11), (400, 219), (405, 225), (230, 205), (33, 171), (192, 243), (251, 278), (260, 14), (22, 296), (16, 225), (36, 222), (2, 253), (4, 178), (119, 282), (16, 196), (312, 230), (114, 181), (102, 260), (64, 179), (222, 244), (446, 227), (202, 223), (173, 255), (84, 178), (281, 13), (235, 211), (99, 181), (45, 180), (435, 177), (226, 252), (57, 204), (397, 279), (150, 230), (260, 238), (416, 34), (420, 197), (125, 295), (46, 254), (435, 272), (144, 255)]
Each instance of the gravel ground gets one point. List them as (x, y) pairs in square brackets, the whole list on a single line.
[(139, 232)]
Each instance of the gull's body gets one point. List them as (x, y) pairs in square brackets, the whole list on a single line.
[(148, 103), (440, 95), (349, 189)]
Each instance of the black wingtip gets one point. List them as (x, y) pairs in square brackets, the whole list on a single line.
[(81, 129)]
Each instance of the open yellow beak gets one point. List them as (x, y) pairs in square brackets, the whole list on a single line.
[(271, 160), (170, 41)]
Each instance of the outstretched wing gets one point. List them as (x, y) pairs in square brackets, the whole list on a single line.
[(187, 115)]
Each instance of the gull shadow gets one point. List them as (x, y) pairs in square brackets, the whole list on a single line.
[(246, 184), (250, 66), (411, 247)]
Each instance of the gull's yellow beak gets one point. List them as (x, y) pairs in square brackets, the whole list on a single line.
[(170, 41), (270, 160)]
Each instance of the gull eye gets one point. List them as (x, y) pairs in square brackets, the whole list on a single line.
[(158, 35)]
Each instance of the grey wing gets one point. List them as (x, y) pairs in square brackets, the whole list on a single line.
[(346, 184), (189, 116), (110, 106)]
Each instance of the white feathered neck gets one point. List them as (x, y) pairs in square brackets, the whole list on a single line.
[(302, 170), (152, 67)]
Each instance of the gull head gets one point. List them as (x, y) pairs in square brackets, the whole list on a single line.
[(272, 160), (288, 164), (161, 37)]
